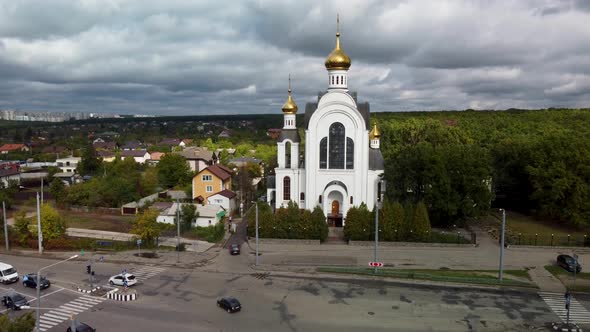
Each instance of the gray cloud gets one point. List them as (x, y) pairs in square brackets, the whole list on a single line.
[(182, 57)]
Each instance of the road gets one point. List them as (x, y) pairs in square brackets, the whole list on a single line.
[(184, 300)]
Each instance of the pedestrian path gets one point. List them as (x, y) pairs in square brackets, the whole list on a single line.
[(65, 311), (556, 301), (146, 272)]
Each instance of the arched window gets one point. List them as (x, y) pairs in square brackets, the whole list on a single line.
[(324, 153), (336, 138), (302, 196), (351, 200), (349, 153), (287, 154), (286, 188)]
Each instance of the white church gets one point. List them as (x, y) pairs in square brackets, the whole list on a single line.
[(342, 164)]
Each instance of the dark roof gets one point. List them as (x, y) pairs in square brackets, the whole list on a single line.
[(105, 145), (270, 181), (363, 108), (8, 169), (132, 145), (222, 173), (170, 141), (376, 161), (225, 168), (133, 153), (105, 154), (197, 153), (54, 149), (226, 193), (290, 134)]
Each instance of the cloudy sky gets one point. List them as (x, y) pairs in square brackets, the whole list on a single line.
[(191, 57)]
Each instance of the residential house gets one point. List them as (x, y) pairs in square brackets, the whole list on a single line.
[(155, 157), (9, 173), (224, 134), (68, 164), (106, 156), (140, 156), (274, 133), (132, 145), (185, 142), (168, 211), (209, 181), (199, 157), (244, 161), (110, 146), (68, 178), (6, 148), (209, 215), (172, 142), (225, 198)]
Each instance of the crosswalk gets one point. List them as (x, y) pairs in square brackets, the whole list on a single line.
[(146, 272), (65, 311), (556, 301)]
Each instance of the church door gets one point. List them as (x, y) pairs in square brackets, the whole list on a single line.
[(335, 207)]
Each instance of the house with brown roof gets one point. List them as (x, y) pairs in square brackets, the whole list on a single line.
[(209, 181), (8, 173), (199, 157), (6, 148), (226, 198)]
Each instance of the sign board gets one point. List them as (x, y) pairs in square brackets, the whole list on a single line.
[(376, 264), (138, 242)]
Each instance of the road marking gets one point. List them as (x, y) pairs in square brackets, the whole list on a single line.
[(32, 299), (556, 301), (64, 312), (147, 272)]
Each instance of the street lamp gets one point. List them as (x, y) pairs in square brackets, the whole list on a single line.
[(502, 244), (37, 328), (256, 230), (380, 190)]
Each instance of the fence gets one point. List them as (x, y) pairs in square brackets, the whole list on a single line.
[(550, 240)]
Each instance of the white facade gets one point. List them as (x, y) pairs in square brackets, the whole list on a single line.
[(209, 215), (342, 164), (229, 204), (69, 164)]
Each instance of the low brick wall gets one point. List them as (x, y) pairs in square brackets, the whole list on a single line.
[(285, 241), (408, 244)]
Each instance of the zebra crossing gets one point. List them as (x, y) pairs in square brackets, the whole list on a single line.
[(556, 301), (146, 272), (64, 312)]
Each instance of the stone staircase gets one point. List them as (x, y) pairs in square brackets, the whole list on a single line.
[(335, 235)]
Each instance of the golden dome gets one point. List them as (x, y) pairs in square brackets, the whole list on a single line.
[(375, 133), (289, 107), (337, 60)]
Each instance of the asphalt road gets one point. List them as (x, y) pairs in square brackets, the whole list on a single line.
[(184, 300)]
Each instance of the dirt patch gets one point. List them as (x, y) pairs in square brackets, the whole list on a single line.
[(97, 221), (147, 255)]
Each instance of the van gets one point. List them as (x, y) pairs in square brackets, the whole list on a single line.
[(8, 274)]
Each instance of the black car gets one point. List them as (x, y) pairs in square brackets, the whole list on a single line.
[(568, 262), (230, 304), (81, 327), (234, 249), (14, 301), (30, 280)]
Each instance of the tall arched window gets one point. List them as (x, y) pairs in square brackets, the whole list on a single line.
[(336, 143), (286, 188), (324, 153), (349, 153), (287, 154)]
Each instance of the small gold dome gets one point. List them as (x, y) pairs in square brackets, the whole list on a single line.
[(337, 60), (375, 133), (289, 107)]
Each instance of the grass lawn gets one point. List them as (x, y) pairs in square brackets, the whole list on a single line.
[(97, 221), (520, 223), (567, 278), (482, 277)]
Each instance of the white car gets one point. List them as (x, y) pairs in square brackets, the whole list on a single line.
[(8, 274), (119, 279)]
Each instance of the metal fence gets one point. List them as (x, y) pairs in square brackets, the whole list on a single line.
[(550, 240)]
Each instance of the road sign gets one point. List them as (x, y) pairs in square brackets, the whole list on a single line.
[(376, 264), (138, 242), (101, 258)]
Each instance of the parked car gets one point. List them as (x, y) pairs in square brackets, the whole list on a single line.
[(120, 279), (8, 274), (229, 303), (14, 301), (81, 327), (234, 249), (30, 280), (568, 263)]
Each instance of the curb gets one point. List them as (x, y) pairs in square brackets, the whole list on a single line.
[(114, 295), (88, 291)]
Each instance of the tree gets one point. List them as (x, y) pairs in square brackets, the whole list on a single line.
[(358, 226), (21, 226), (287, 221), (421, 230), (146, 226), (23, 323), (57, 190), (90, 163), (391, 219), (318, 219), (173, 170), (188, 214), (53, 225)]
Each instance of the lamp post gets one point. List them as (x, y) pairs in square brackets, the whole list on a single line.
[(37, 328), (380, 190), (502, 245), (39, 232), (177, 231), (256, 230), (5, 225)]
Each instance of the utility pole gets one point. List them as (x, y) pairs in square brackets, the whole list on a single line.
[(178, 231), (5, 225), (256, 233), (42, 190), (376, 233), (39, 231), (502, 245)]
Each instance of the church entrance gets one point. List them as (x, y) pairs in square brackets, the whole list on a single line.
[(335, 217)]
